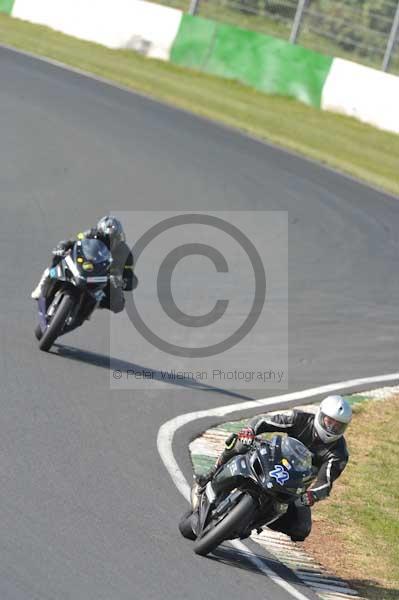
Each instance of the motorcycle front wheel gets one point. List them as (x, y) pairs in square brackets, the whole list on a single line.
[(185, 527), (57, 323), (226, 529)]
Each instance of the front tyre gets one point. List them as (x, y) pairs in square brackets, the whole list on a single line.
[(185, 527), (57, 323), (226, 529)]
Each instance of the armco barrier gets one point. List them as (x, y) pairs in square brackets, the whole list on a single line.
[(6, 6), (263, 62), (143, 26), (367, 94)]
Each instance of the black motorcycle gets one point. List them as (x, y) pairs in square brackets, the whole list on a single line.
[(76, 287), (249, 491)]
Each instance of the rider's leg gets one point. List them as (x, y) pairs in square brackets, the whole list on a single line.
[(37, 292), (113, 300), (232, 447), (117, 299), (296, 523)]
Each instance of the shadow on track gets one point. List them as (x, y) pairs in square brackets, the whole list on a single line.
[(233, 558), (116, 364), (242, 560)]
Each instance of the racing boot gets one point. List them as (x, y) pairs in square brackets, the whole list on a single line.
[(203, 479), (200, 482), (227, 453), (37, 292)]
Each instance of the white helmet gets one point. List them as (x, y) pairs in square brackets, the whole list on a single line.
[(332, 418)]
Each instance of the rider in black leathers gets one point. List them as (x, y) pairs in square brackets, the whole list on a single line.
[(322, 434), (110, 231)]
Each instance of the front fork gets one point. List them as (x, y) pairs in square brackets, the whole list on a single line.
[(42, 313), (80, 313), (205, 507)]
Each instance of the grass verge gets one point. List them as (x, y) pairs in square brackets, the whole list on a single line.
[(341, 142), (359, 524)]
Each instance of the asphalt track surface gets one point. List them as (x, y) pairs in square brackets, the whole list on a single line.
[(87, 509)]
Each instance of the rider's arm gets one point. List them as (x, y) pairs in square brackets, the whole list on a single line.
[(65, 245), (62, 248), (88, 234), (279, 422), (329, 471)]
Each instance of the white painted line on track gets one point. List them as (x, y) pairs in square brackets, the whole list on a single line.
[(261, 565), (167, 431)]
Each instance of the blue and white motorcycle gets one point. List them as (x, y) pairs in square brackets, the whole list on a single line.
[(75, 287), (249, 491)]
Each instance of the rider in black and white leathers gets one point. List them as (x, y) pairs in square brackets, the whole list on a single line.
[(109, 230), (330, 459), (330, 455)]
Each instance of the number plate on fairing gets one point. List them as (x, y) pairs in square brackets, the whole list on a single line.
[(96, 279)]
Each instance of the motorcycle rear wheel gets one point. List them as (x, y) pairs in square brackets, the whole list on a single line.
[(56, 324), (235, 521)]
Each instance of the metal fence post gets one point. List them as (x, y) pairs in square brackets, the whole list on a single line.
[(194, 6), (300, 10), (392, 40)]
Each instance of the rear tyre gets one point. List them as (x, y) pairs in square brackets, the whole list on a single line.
[(38, 332), (185, 526), (57, 322), (235, 521)]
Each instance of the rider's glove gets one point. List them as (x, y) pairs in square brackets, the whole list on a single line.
[(61, 249), (306, 499), (246, 436)]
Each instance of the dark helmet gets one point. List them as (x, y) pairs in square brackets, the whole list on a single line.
[(111, 229)]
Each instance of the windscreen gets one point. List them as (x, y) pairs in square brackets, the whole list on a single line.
[(297, 454), (95, 251)]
